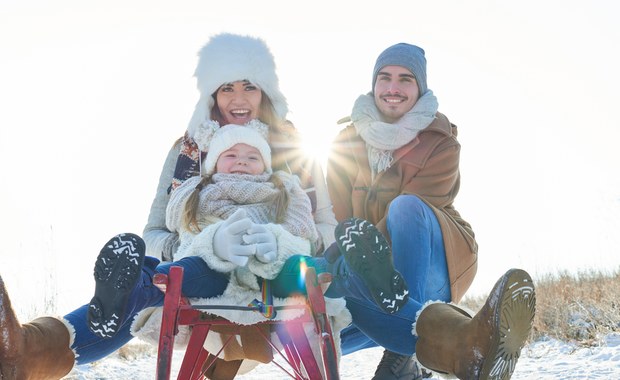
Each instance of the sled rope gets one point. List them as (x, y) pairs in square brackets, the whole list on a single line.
[(265, 307)]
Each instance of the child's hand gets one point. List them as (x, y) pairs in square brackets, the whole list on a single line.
[(228, 239), (264, 241)]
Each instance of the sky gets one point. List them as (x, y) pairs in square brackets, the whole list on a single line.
[(93, 95)]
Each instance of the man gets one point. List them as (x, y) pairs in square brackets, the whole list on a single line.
[(397, 166)]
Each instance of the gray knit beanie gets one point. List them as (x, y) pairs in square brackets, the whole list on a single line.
[(408, 56)]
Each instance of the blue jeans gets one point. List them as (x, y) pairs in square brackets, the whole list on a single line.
[(419, 255)]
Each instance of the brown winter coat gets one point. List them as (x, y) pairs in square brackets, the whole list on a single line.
[(428, 167)]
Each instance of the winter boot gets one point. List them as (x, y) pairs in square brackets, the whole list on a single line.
[(486, 346), (36, 350), (394, 366), (368, 254), (117, 270), (220, 369)]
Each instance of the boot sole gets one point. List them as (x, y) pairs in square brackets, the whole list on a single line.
[(117, 269), (369, 255), (513, 321)]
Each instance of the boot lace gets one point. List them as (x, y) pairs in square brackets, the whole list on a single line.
[(391, 361), (394, 366)]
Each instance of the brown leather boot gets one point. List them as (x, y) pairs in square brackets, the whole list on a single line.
[(486, 346), (221, 369), (36, 350)]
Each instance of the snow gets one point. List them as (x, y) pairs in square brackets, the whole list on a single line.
[(540, 360)]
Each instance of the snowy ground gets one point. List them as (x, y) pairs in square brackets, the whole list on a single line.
[(543, 360)]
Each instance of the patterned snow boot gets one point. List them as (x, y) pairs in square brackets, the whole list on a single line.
[(117, 270), (486, 346), (368, 254)]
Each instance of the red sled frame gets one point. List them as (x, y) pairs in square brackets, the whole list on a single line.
[(296, 353)]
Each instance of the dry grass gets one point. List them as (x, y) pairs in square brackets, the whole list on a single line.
[(580, 308)]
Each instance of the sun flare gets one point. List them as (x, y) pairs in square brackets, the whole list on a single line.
[(316, 146)]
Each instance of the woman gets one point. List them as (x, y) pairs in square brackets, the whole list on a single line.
[(229, 71)]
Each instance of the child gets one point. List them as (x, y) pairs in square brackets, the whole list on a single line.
[(238, 215)]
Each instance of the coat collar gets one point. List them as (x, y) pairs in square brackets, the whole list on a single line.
[(441, 124)]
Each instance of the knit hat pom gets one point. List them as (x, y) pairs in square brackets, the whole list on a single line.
[(408, 56), (254, 134), (204, 133)]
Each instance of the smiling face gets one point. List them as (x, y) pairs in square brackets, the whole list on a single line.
[(238, 102), (396, 92), (240, 159)]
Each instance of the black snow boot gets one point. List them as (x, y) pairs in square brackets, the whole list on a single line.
[(117, 270), (368, 254)]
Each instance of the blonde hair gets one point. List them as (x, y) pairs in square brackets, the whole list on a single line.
[(189, 217), (281, 201)]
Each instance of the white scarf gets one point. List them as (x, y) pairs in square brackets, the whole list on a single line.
[(384, 138)]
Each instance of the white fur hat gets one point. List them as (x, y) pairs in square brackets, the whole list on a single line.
[(227, 136), (228, 58)]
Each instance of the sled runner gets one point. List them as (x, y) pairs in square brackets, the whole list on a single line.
[(291, 350)]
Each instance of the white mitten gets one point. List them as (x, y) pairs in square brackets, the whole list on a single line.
[(228, 239), (265, 242)]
